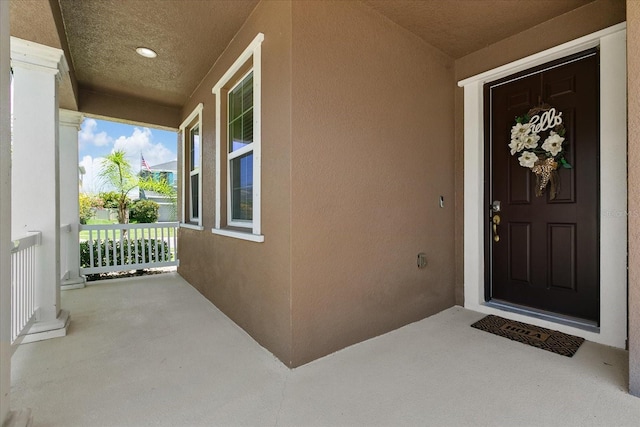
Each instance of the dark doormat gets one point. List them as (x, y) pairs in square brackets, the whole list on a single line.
[(546, 339)]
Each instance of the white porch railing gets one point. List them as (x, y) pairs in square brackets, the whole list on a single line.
[(120, 247), (23, 280)]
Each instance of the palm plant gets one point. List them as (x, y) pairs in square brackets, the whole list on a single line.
[(118, 174)]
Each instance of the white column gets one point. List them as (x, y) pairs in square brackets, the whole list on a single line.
[(35, 186), (5, 216), (69, 207)]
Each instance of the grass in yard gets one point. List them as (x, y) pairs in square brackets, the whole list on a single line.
[(94, 221)]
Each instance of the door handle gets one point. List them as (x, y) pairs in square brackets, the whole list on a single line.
[(496, 222)]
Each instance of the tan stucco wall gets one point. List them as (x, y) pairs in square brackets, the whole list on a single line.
[(128, 110), (633, 78), (372, 152), (362, 133), (250, 282), (577, 23)]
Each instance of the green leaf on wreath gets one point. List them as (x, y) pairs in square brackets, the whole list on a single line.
[(565, 164)]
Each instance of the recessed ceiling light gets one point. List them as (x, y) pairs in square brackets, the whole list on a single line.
[(146, 52)]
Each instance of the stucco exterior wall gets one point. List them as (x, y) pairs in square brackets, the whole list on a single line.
[(362, 134), (129, 109), (633, 79), (250, 282), (577, 23), (372, 123)]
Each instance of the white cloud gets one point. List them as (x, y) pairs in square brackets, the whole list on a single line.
[(88, 135), (140, 143), (90, 180)]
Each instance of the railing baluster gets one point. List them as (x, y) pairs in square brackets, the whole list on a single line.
[(90, 246), (164, 255), (23, 270), (146, 258), (99, 243), (155, 242)]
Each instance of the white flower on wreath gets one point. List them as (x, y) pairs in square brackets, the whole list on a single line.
[(516, 145), (531, 141), (553, 144), (519, 130), (528, 159), (522, 141)]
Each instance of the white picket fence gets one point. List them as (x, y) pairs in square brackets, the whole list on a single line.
[(120, 247), (23, 281)]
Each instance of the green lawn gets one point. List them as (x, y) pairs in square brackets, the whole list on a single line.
[(94, 221)]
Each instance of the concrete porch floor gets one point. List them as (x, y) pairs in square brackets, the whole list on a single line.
[(151, 351)]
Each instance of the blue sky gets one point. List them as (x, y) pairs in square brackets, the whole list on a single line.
[(97, 138)]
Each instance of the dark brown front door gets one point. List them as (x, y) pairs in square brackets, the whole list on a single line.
[(546, 256)]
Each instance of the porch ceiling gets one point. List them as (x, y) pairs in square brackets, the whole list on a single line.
[(100, 36), (459, 27)]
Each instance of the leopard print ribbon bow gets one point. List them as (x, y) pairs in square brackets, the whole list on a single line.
[(545, 171)]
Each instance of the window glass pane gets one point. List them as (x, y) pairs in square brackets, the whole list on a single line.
[(247, 126), (247, 92), (235, 135), (241, 114), (242, 187), (194, 160), (194, 196), (235, 102)]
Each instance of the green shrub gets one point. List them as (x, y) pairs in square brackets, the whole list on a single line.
[(144, 211), (96, 202), (144, 246), (110, 199), (85, 208)]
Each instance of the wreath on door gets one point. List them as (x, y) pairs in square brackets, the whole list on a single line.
[(541, 123)]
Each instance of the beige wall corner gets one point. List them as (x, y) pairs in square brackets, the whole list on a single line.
[(250, 282), (633, 69), (372, 123)]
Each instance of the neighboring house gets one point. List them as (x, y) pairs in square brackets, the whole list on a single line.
[(324, 145), (165, 171)]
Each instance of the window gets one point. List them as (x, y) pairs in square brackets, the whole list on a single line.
[(238, 147), (192, 182), (194, 173), (240, 136)]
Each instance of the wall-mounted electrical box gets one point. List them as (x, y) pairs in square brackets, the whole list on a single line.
[(422, 260)]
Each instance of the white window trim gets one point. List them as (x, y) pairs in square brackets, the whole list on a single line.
[(195, 223), (613, 184), (254, 50)]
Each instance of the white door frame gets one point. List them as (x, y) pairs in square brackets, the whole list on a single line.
[(613, 184)]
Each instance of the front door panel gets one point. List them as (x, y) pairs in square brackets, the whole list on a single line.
[(547, 252)]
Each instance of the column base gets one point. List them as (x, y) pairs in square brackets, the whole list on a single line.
[(75, 283), (19, 418), (46, 330)]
